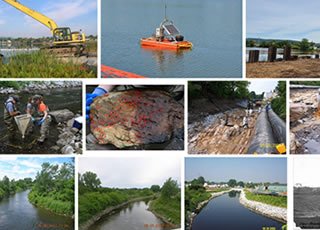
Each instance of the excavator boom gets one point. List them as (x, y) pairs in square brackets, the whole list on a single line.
[(48, 22)]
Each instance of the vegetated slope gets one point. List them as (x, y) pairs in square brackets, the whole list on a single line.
[(278, 201), (168, 204), (54, 188)]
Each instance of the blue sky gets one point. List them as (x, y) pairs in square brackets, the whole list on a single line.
[(132, 172), (22, 167), (76, 14), (283, 19), (242, 169)]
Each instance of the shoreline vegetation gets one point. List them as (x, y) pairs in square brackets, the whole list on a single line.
[(42, 65), (10, 187), (96, 202), (53, 189)]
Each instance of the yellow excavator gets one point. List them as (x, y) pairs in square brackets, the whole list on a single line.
[(64, 41)]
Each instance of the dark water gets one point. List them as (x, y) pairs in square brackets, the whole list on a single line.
[(56, 99), (17, 213), (225, 212), (133, 217), (213, 26)]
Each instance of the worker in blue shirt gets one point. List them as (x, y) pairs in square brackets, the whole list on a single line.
[(10, 111)]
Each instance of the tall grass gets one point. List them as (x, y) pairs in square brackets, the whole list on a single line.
[(42, 65)]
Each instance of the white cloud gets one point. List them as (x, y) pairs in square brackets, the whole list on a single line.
[(132, 172)]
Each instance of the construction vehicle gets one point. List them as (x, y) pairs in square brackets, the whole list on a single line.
[(64, 40)]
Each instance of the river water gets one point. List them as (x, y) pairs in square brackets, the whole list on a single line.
[(135, 216), (225, 212), (17, 213), (56, 99), (214, 28)]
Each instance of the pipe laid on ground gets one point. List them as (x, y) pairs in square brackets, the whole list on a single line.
[(263, 140), (278, 127)]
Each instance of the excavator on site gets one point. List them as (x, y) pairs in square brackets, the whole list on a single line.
[(65, 42)]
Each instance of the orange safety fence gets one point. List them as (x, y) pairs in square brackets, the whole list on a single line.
[(109, 72)]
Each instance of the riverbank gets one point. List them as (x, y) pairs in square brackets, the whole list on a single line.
[(302, 68), (191, 215), (86, 225), (14, 87), (168, 210), (273, 212)]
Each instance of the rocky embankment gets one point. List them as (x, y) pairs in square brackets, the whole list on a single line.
[(34, 86), (304, 121), (222, 133), (70, 134), (277, 213)]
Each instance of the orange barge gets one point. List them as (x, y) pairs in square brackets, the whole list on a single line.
[(167, 36)]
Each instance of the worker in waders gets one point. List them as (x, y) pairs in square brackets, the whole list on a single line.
[(30, 109), (10, 111), (44, 119)]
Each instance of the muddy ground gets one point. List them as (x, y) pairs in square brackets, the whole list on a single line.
[(304, 122), (309, 68), (216, 128)]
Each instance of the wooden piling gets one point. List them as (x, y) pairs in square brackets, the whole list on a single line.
[(253, 56), (1, 59), (316, 56), (287, 53), (272, 54)]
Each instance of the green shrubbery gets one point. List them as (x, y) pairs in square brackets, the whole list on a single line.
[(168, 205), (54, 188), (279, 103), (95, 201), (8, 187), (194, 197)]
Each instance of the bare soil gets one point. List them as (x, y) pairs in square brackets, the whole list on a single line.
[(302, 68)]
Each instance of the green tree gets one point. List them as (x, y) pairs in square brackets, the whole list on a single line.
[(305, 45), (90, 180), (155, 188), (241, 184), (232, 183), (170, 188)]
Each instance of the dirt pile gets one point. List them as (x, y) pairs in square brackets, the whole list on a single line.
[(284, 69), (136, 117)]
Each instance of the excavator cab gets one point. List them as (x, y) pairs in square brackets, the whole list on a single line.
[(63, 35)]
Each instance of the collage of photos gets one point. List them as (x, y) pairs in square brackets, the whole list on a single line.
[(159, 115)]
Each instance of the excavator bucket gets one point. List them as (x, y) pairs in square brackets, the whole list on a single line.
[(22, 122)]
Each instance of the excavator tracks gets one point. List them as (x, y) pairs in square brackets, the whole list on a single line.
[(65, 51)]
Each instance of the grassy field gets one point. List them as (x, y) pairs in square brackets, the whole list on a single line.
[(167, 208), (41, 65), (278, 201)]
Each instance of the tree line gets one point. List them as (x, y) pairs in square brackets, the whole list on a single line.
[(53, 188), (9, 187), (303, 45), (278, 104)]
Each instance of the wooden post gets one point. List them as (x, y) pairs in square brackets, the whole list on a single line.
[(317, 56), (272, 53), (253, 56), (1, 59), (287, 53)]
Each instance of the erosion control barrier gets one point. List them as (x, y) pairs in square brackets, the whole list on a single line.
[(278, 127), (263, 141)]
